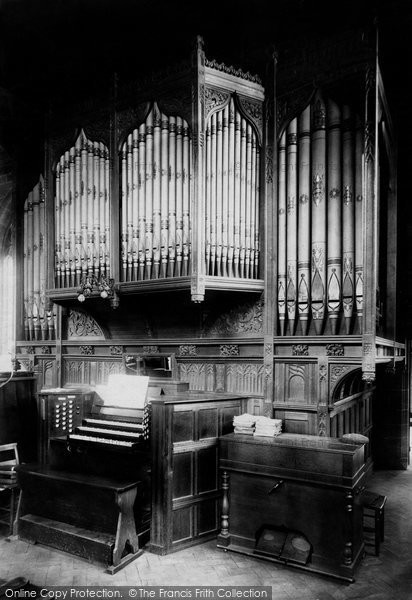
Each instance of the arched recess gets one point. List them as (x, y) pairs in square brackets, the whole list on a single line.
[(351, 410)]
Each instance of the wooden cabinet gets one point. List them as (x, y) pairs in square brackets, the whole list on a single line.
[(293, 488), (185, 487)]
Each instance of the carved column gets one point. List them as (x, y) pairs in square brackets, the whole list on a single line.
[(270, 223), (198, 204), (348, 549), (223, 538), (370, 240)]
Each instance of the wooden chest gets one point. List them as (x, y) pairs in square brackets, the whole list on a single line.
[(293, 489)]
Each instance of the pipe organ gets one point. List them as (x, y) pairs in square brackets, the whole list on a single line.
[(155, 194), (232, 195), (319, 232), (249, 212), (82, 212), (39, 320)]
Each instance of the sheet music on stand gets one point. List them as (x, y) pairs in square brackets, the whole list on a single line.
[(128, 391)]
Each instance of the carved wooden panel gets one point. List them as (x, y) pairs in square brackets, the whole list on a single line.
[(295, 383), (80, 325), (89, 372), (238, 377)]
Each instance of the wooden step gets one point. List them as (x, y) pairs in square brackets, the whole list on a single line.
[(92, 545)]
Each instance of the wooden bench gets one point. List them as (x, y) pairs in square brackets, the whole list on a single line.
[(86, 515), (373, 505)]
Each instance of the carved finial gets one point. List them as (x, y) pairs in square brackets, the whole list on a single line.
[(200, 43)]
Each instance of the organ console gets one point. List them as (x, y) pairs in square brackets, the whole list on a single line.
[(144, 487)]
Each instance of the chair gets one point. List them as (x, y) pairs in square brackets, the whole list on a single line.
[(9, 459), (373, 505)]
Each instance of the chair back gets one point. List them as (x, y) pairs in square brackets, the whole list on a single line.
[(9, 456)]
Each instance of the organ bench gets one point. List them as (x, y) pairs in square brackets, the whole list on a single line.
[(87, 515)]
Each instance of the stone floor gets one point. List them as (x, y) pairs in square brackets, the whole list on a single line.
[(387, 577)]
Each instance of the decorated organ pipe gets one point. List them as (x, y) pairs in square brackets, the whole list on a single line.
[(334, 272), (322, 168), (38, 320), (291, 225), (303, 212), (82, 199), (358, 223), (155, 222), (318, 231), (232, 195), (348, 222), (281, 287)]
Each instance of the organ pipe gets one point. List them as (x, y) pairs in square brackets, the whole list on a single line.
[(320, 259), (358, 223), (231, 195), (334, 261), (82, 212), (155, 223), (318, 172), (156, 195), (281, 287), (304, 220), (348, 213), (291, 220), (38, 323)]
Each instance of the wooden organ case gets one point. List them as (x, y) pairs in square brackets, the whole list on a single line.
[(239, 231)]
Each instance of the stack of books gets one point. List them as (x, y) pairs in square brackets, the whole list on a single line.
[(8, 475), (268, 427), (244, 424)]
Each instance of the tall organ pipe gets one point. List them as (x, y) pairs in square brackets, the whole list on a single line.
[(149, 196), (72, 221), (348, 214), (231, 150), (172, 198), (135, 204), (77, 211), (237, 167), (142, 200), (291, 224), (157, 214), (318, 213), (358, 224), (179, 196), (36, 262), (304, 220), (42, 261), (334, 262), (225, 189), (281, 284)]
